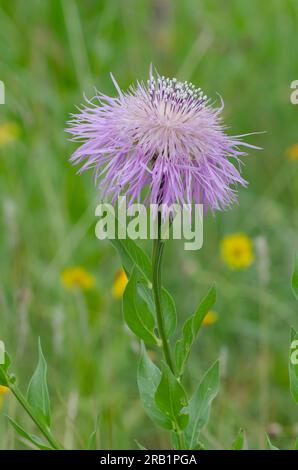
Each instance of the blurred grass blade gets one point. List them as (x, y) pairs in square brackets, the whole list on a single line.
[(140, 446), (200, 404), (37, 393), (238, 444), (148, 378), (295, 278), (92, 440), (293, 364), (91, 445), (269, 443)]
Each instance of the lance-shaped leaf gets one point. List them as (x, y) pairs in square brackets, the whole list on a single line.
[(37, 393), (29, 437), (238, 443), (171, 399), (200, 404), (295, 278), (191, 328), (148, 379), (293, 364), (137, 310), (132, 255)]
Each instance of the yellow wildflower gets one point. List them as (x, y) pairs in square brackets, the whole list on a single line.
[(77, 277), (210, 318), (9, 132), (120, 281), (292, 152), (3, 390), (237, 251)]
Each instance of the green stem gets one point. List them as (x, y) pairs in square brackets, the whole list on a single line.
[(158, 247), (181, 444), (43, 429)]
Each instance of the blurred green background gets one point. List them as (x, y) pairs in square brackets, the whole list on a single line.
[(51, 53)]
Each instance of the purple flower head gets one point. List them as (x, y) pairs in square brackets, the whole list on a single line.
[(160, 142)]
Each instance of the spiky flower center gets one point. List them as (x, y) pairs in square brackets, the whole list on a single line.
[(172, 90), (174, 100)]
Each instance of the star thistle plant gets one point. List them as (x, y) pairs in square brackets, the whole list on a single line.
[(161, 143)]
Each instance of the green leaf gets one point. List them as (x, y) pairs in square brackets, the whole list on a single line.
[(137, 313), (183, 345), (202, 310), (295, 278), (270, 445), (148, 379), (191, 328), (238, 444), (29, 437), (293, 364), (296, 444), (170, 397), (169, 312), (37, 393), (200, 404), (131, 254)]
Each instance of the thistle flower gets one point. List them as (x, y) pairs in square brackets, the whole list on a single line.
[(160, 142)]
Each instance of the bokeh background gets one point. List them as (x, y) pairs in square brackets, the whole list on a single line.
[(51, 53)]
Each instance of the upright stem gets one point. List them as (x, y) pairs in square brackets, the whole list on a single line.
[(158, 247)]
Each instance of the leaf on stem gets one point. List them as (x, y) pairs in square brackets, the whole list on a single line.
[(137, 310), (171, 399), (191, 328), (131, 254), (200, 404), (148, 379), (37, 393), (29, 437)]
